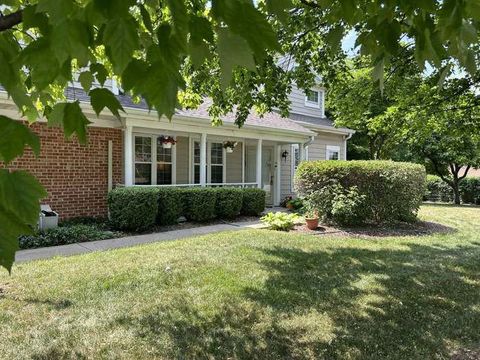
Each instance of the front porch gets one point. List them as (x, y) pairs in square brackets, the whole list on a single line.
[(200, 159)]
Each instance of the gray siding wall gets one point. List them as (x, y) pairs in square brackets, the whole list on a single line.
[(182, 160), (316, 151), (297, 98), (234, 165)]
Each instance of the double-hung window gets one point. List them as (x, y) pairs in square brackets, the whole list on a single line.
[(143, 160), (333, 152), (312, 98), (215, 163), (153, 164)]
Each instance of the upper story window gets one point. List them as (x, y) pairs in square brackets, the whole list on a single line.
[(313, 98), (333, 152)]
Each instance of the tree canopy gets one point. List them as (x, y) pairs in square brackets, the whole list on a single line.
[(174, 52)]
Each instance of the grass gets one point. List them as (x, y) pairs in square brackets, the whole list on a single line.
[(254, 294)]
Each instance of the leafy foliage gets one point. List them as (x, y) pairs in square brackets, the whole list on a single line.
[(386, 191), (254, 200), (229, 202), (170, 205), (63, 235), (133, 208), (280, 221), (200, 204)]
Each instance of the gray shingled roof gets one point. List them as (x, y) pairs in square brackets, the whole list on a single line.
[(311, 119), (269, 120)]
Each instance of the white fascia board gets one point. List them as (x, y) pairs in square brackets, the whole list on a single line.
[(329, 129)]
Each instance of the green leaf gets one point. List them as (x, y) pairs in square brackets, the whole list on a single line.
[(44, 68), (335, 36), (103, 98), (57, 10), (100, 72), (233, 51), (20, 194), (15, 136), (70, 115), (278, 8), (378, 73), (121, 40), (147, 21), (86, 80)]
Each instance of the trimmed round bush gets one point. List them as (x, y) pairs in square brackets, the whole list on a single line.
[(133, 208), (170, 205), (199, 204), (253, 201), (229, 202), (391, 191)]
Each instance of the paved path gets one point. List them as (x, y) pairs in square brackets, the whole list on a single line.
[(102, 245)]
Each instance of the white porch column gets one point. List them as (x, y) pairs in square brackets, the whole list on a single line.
[(301, 152), (128, 152), (243, 161), (203, 159), (259, 163), (278, 174)]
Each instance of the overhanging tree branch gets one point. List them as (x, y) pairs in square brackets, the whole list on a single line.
[(9, 21)]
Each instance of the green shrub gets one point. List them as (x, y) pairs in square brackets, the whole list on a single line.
[(133, 208), (391, 191), (229, 202), (470, 190), (199, 204), (170, 205), (66, 234), (348, 207), (253, 201), (437, 190), (280, 221)]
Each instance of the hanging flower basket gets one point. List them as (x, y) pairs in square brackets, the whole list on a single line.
[(229, 146), (167, 142)]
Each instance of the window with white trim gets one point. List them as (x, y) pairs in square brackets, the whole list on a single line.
[(164, 164), (143, 160), (313, 98), (153, 164), (332, 153), (216, 163)]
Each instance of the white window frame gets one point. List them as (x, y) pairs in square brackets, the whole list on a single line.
[(313, 104), (209, 161), (173, 156), (332, 149), (154, 161)]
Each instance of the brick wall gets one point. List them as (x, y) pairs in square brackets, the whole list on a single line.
[(75, 175)]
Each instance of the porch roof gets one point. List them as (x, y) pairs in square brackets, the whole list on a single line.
[(271, 120)]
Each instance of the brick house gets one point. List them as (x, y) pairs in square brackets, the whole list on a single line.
[(130, 152)]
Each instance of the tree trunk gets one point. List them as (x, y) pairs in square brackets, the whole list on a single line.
[(456, 191)]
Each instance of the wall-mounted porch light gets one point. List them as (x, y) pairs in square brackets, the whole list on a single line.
[(285, 155)]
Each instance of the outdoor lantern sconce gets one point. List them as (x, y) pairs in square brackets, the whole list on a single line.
[(284, 155)]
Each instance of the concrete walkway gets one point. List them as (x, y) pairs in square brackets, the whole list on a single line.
[(102, 245)]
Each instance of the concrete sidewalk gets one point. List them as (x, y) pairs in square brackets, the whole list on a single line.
[(102, 245)]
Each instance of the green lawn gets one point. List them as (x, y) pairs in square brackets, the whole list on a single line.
[(254, 294)]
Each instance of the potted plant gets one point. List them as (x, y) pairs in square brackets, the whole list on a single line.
[(311, 219), (167, 142), (229, 146)]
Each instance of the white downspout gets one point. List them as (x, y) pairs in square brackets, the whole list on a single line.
[(347, 137)]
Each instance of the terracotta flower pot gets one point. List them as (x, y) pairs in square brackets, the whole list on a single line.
[(312, 224), (289, 206)]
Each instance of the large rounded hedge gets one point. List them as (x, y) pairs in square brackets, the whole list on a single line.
[(391, 191)]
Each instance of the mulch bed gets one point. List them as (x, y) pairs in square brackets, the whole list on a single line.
[(466, 354), (420, 228)]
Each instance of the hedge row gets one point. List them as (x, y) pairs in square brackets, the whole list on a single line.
[(439, 190), (140, 208), (390, 191)]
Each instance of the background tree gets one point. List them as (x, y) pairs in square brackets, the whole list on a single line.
[(173, 52), (356, 102), (443, 129)]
